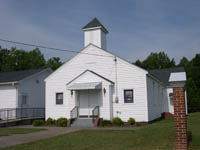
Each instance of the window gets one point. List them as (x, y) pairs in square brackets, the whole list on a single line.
[(128, 96), (24, 99), (154, 100), (171, 98), (59, 98)]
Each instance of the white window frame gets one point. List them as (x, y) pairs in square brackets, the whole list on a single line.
[(132, 96), (57, 97)]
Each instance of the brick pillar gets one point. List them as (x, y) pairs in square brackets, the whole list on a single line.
[(180, 119)]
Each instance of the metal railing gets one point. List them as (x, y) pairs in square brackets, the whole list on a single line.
[(95, 113), (19, 113), (74, 113)]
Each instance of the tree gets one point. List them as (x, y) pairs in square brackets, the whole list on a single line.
[(138, 63), (193, 84), (36, 59), (183, 62), (12, 60), (156, 61), (54, 63), (4, 53)]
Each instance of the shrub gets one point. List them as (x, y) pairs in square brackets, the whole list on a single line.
[(103, 123), (50, 121), (138, 124), (131, 121), (117, 121), (61, 122), (38, 123)]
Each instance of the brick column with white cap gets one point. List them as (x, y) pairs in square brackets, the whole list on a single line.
[(177, 81)]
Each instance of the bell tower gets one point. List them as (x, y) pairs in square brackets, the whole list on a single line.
[(95, 33)]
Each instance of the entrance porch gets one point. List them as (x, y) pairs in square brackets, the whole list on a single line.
[(91, 96), (88, 99)]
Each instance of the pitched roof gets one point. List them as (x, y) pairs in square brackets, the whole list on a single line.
[(95, 23), (164, 74), (15, 76)]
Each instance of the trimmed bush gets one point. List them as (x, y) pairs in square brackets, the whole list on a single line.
[(38, 123), (61, 122), (131, 121), (50, 121), (103, 123), (117, 121), (138, 124)]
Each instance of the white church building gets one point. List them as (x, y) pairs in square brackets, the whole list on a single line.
[(96, 83)]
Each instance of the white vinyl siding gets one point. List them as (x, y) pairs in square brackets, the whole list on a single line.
[(129, 77), (155, 98), (34, 90), (8, 95)]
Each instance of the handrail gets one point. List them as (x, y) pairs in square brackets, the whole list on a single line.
[(19, 113), (74, 113), (95, 113)]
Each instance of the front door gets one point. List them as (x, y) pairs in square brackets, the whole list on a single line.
[(84, 103), (87, 100)]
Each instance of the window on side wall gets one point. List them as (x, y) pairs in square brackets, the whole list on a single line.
[(24, 99), (59, 98), (128, 96), (171, 98)]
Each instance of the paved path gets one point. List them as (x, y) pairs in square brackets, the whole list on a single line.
[(11, 140)]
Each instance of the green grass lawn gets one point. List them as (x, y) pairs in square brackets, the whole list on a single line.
[(157, 136), (9, 131)]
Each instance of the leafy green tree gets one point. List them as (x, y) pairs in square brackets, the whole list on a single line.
[(3, 58), (157, 61), (8, 60), (54, 63), (12, 60), (183, 62), (36, 59), (138, 63)]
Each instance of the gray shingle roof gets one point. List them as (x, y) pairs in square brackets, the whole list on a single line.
[(95, 23), (17, 75), (164, 74)]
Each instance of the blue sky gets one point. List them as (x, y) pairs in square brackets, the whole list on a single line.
[(136, 27)]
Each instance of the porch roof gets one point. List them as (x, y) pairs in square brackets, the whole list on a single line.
[(85, 86)]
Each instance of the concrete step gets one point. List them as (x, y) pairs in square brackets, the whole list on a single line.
[(82, 123)]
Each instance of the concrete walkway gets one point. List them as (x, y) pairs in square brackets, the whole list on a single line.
[(11, 140)]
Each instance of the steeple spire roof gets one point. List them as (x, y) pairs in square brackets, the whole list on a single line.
[(95, 23)]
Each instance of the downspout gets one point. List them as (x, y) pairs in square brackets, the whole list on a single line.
[(116, 81), (186, 107)]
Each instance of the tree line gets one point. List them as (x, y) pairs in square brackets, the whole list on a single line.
[(192, 67), (17, 59)]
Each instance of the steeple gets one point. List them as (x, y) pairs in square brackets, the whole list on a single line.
[(95, 33)]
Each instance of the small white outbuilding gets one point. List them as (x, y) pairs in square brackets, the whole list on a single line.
[(97, 83), (22, 89)]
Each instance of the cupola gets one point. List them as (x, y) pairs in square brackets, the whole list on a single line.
[(95, 33)]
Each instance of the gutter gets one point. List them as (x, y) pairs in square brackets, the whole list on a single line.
[(9, 83)]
